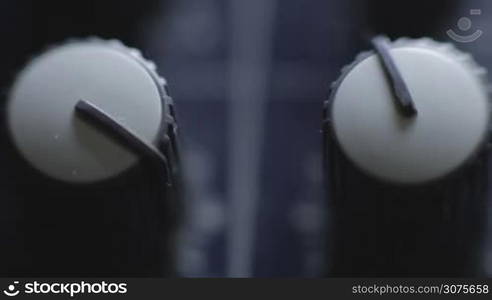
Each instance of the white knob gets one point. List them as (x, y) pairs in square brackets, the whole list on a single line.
[(41, 109), (451, 125)]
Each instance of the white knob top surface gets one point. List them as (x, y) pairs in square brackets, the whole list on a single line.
[(451, 124), (42, 120)]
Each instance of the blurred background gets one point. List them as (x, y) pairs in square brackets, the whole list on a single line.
[(248, 79)]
